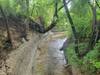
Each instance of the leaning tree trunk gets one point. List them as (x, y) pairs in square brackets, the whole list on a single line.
[(73, 28)]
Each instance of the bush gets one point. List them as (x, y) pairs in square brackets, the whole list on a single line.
[(90, 64)]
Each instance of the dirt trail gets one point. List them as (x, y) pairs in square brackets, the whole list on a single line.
[(48, 59)]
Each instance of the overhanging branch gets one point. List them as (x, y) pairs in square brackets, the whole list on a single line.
[(40, 28), (63, 5), (97, 4)]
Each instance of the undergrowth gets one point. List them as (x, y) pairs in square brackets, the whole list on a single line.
[(89, 64)]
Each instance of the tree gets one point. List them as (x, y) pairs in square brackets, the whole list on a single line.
[(53, 23), (73, 28)]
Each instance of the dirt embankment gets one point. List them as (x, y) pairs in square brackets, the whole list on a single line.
[(36, 57), (16, 33), (10, 55), (20, 61)]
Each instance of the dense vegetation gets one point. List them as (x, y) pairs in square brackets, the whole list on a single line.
[(80, 19)]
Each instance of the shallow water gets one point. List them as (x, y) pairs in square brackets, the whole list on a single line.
[(56, 57), (49, 59)]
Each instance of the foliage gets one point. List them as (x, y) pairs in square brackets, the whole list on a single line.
[(82, 17), (90, 63), (81, 14)]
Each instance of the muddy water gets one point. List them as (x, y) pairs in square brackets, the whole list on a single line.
[(56, 58), (49, 60)]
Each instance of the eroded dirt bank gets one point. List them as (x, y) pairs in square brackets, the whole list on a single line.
[(20, 61)]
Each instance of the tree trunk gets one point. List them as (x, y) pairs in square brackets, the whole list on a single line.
[(94, 35), (95, 31), (73, 28)]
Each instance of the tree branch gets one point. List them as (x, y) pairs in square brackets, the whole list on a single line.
[(40, 28), (63, 5), (97, 4)]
